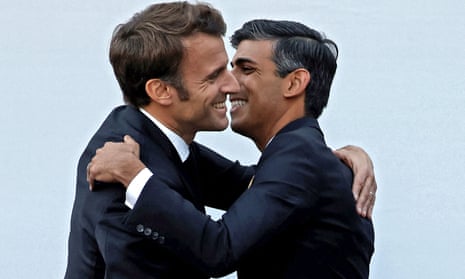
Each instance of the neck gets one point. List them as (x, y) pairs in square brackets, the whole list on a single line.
[(290, 114), (166, 120), (262, 141)]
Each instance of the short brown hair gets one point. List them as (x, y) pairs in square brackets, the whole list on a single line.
[(150, 45)]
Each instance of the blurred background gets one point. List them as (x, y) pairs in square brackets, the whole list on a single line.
[(399, 92)]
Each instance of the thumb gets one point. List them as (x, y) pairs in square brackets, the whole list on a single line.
[(128, 139)]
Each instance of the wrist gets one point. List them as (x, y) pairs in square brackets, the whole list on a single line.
[(127, 174)]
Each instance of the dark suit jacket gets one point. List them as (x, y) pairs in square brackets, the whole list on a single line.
[(102, 244), (298, 220)]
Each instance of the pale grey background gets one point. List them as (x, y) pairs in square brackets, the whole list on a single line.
[(399, 93)]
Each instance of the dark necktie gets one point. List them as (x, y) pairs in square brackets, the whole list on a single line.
[(190, 170), (189, 165)]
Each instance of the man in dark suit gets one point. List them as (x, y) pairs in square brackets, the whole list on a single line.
[(171, 65), (298, 219), (168, 104)]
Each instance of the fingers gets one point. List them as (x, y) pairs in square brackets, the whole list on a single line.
[(110, 159), (367, 197), (90, 178), (370, 208), (357, 186), (132, 143), (364, 185), (342, 154), (129, 139), (372, 193)]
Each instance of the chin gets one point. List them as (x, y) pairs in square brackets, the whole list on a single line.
[(237, 128), (217, 127)]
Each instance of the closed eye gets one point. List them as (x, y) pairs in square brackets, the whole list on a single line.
[(213, 76), (246, 70), (244, 65)]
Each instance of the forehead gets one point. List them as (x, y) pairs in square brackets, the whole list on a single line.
[(254, 51), (204, 51)]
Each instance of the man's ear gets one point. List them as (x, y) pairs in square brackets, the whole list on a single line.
[(159, 91), (297, 82)]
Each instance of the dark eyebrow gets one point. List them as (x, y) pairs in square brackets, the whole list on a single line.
[(242, 60)]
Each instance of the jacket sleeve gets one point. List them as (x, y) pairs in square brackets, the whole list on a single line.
[(276, 200)]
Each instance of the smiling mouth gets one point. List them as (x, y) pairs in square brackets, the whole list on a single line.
[(221, 105), (237, 104)]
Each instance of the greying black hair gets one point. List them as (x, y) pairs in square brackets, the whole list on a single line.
[(297, 46)]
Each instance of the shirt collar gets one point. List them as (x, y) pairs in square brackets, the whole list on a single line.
[(179, 144)]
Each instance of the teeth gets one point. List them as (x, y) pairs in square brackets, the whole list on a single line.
[(238, 103), (219, 105)]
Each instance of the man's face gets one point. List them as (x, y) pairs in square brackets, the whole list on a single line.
[(207, 80), (256, 108)]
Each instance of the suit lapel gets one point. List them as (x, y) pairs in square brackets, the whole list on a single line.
[(154, 142)]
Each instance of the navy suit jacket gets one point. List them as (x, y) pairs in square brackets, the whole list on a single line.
[(101, 242), (298, 219)]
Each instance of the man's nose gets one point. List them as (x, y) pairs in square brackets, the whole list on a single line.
[(231, 85)]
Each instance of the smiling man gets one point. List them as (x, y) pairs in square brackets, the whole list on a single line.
[(298, 218), (171, 65)]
